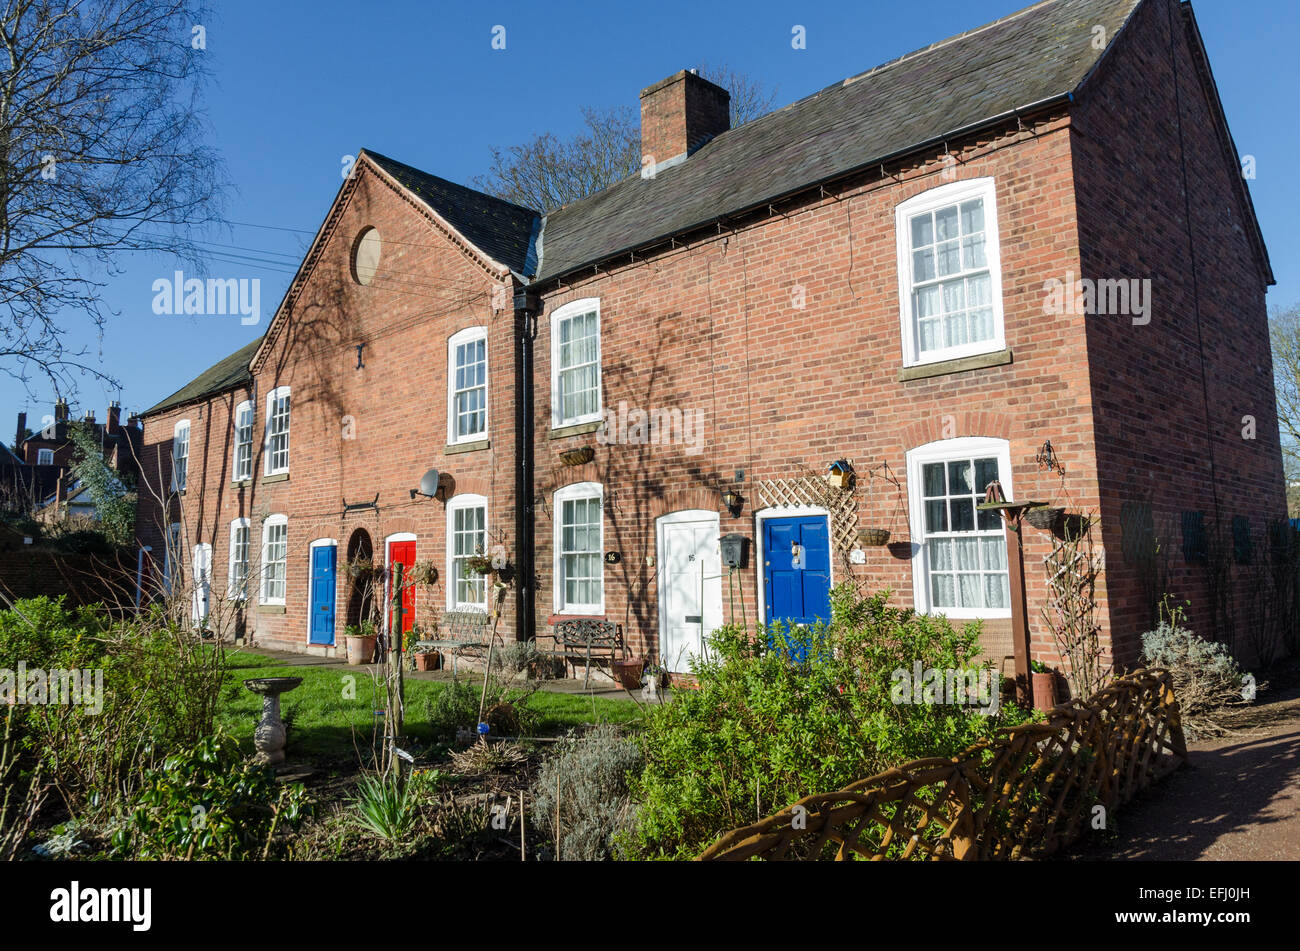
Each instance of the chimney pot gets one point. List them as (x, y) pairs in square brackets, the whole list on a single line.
[(679, 114), (61, 411)]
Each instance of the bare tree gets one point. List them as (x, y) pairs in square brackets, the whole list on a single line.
[(100, 153), (1284, 334), (547, 171)]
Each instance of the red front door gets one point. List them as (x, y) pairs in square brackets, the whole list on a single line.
[(402, 553)]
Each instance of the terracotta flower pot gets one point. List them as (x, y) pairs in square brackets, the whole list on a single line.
[(1044, 687), (428, 660), (360, 649), (628, 673)]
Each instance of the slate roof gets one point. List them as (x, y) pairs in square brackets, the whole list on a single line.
[(498, 228), (1041, 53), (221, 376)]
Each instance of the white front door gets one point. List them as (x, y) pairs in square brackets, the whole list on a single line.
[(202, 582), (690, 585)]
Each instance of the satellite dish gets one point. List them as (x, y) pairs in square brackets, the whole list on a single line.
[(429, 483)]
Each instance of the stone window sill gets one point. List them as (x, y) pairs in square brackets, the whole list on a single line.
[(961, 365), (278, 477), (577, 429), (270, 609), (475, 446)]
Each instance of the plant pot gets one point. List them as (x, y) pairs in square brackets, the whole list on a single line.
[(874, 537), (577, 457), (360, 649), (1046, 517), (428, 660), (628, 673), (1044, 687)]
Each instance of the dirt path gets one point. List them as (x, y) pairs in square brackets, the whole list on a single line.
[(1239, 798)]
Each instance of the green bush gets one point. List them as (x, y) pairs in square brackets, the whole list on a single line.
[(763, 731), (206, 802), (589, 771), (43, 632), (386, 807), (153, 688), (1205, 675), (454, 706)]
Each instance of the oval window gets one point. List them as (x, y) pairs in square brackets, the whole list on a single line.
[(365, 256)]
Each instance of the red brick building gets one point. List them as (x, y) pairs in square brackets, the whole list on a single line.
[(1033, 232)]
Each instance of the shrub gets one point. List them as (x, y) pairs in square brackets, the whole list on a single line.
[(591, 771), (44, 632), (205, 802), (763, 731), (1205, 675), (160, 690), (454, 706), (386, 807)]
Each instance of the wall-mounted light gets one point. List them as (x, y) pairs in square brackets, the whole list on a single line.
[(733, 500)]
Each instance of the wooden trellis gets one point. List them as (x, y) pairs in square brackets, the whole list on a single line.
[(813, 490), (1025, 793)]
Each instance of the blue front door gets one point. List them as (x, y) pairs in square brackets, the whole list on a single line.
[(797, 571), (322, 594)]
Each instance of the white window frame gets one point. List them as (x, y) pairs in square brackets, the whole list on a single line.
[(271, 399), (173, 557), (238, 473), (940, 197), (180, 461), (578, 490), (458, 339), (948, 450), (561, 314), (231, 589), (45, 457), (459, 503), (264, 577)]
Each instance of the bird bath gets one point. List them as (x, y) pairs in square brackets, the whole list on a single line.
[(268, 738)]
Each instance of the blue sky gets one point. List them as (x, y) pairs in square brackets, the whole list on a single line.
[(299, 85)]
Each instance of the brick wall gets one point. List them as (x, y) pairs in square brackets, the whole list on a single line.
[(1171, 397), (786, 389), (356, 433)]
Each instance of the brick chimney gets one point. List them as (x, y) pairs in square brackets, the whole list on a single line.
[(61, 411), (678, 115), (113, 419), (22, 429)]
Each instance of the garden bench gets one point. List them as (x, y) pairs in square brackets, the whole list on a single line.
[(587, 639), (460, 633)]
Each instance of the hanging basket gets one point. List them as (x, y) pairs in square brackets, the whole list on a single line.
[(577, 457), (874, 537), (1046, 517)]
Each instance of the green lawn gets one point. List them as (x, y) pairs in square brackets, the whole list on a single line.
[(332, 708)]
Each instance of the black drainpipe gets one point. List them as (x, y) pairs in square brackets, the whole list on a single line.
[(526, 307)]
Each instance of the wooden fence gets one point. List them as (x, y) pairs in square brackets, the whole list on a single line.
[(1023, 794)]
